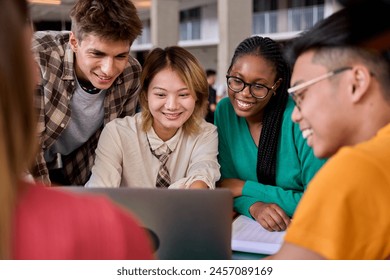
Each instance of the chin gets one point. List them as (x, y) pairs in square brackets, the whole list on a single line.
[(173, 125), (241, 113), (322, 153)]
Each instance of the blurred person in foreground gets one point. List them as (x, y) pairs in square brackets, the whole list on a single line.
[(342, 97), (87, 78), (39, 222)]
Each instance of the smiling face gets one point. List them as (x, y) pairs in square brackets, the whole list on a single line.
[(170, 102), (99, 61), (325, 114), (251, 69)]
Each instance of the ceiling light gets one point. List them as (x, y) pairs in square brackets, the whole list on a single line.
[(47, 2)]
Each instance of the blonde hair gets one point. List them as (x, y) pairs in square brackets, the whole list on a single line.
[(188, 69), (17, 116)]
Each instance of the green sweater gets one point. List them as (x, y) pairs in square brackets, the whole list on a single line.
[(295, 161)]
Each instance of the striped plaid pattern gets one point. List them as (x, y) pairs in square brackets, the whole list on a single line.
[(56, 61), (163, 179)]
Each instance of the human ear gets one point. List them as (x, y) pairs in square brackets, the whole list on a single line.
[(361, 81), (277, 84), (73, 42)]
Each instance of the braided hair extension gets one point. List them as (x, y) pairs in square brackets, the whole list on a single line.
[(273, 113)]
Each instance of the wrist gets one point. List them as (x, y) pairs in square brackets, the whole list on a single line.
[(254, 209)]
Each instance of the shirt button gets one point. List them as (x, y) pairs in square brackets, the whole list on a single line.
[(62, 125)]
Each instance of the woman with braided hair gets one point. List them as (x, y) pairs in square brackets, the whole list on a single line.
[(264, 159)]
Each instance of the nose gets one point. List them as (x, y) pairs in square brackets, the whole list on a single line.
[(246, 91), (171, 103), (296, 115), (107, 66)]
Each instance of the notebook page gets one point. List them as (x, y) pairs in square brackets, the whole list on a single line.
[(249, 236)]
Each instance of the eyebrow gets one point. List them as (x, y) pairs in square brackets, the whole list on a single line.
[(261, 81), (103, 53), (160, 88)]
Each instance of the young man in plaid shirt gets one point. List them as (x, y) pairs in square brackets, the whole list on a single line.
[(87, 78)]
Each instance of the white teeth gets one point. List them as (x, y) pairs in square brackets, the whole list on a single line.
[(172, 116), (307, 132), (243, 104)]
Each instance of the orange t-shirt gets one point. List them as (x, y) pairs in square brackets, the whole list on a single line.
[(344, 214)]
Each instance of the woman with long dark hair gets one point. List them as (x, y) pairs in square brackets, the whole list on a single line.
[(264, 159)]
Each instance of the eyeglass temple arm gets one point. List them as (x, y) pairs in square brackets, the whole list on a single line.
[(308, 83)]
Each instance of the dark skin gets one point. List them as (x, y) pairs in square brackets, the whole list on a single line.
[(254, 69)]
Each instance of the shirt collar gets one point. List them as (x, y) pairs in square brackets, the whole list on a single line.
[(67, 72), (158, 145)]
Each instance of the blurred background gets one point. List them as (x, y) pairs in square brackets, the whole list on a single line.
[(210, 29)]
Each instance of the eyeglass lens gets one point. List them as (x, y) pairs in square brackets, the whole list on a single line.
[(257, 90)]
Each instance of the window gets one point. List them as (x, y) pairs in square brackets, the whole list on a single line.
[(145, 37), (52, 25), (264, 5), (303, 14), (190, 24), (265, 16), (304, 3)]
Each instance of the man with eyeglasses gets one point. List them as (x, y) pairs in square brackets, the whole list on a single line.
[(342, 98)]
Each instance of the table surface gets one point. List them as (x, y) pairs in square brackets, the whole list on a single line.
[(236, 255)]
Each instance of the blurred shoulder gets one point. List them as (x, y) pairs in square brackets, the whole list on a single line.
[(70, 225), (57, 199)]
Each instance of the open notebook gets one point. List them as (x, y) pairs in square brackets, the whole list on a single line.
[(249, 236), (185, 224)]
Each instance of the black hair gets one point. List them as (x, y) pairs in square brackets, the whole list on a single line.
[(273, 113), (210, 72), (334, 35), (363, 31), (335, 31)]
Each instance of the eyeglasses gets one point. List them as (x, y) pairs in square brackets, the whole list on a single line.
[(297, 96), (258, 91)]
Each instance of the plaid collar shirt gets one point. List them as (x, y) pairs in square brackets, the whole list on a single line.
[(54, 92)]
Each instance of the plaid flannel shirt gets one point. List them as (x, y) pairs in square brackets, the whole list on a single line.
[(56, 62)]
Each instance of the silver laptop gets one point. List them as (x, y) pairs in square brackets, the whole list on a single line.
[(183, 224)]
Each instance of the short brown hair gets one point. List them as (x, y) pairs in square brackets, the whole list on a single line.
[(188, 69), (115, 20)]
